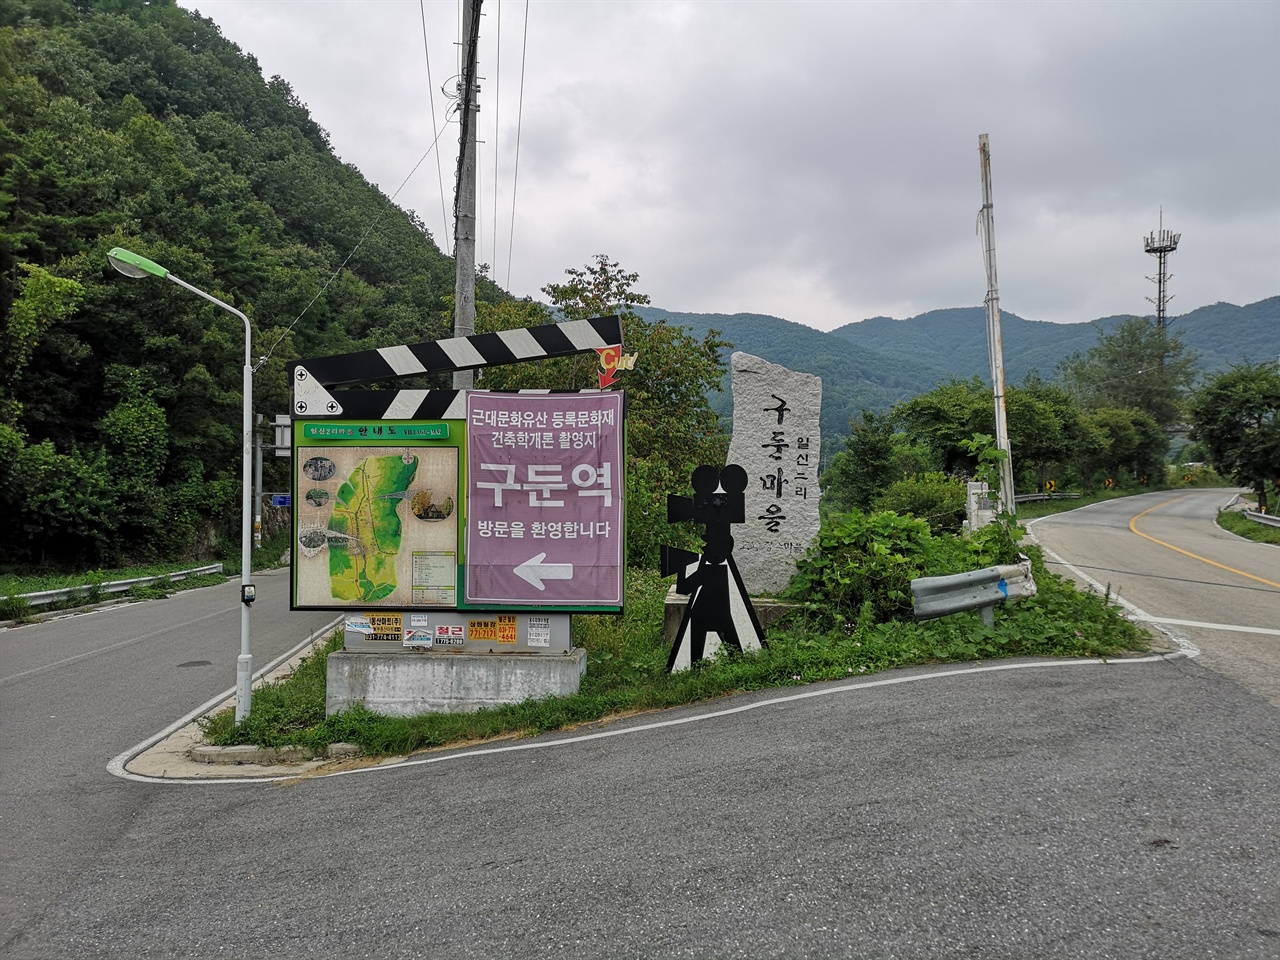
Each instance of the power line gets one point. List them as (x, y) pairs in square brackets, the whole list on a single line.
[(431, 87), (497, 128), (363, 238), (515, 176)]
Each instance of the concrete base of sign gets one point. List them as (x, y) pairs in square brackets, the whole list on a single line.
[(768, 612), (405, 686)]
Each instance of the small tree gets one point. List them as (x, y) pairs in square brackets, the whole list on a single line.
[(671, 428), (864, 468), (1236, 415)]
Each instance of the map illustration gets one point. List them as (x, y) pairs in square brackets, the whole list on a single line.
[(379, 530), (364, 529)]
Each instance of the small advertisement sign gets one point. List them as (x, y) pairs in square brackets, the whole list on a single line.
[(545, 499)]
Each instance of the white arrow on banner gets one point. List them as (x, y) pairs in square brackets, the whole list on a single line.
[(535, 571)]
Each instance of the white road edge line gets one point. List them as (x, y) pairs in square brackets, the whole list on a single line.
[(661, 724), (117, 765), (1185, 646), (1233, 627)]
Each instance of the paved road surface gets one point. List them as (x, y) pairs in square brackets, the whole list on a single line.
[(78, 690), (1163, 553), (1005, 810)]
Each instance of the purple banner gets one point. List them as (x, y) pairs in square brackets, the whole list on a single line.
[(544, 499)]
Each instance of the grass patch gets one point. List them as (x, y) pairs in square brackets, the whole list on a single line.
[(1046, 508), (627, 667), (1242, 526), (13, 583)]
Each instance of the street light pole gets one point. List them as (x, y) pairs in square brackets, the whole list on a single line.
[(133, 265)]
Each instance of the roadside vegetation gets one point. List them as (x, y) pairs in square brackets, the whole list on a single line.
[(1242, 526), (14, 584), (852, 618)]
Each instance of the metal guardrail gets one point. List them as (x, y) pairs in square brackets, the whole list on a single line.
[(43, 597), (934, 597), (1037, 497), (1264, 518)]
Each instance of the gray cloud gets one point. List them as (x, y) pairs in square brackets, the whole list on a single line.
[(818, 161)]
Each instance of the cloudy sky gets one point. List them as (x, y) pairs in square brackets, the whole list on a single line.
[(819, 161)]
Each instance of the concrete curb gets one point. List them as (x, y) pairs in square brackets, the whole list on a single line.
[(268, 756), (169, 754)]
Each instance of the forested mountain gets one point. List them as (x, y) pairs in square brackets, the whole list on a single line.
[(134, 123), (955, 339), (853, 376), (878, 362)]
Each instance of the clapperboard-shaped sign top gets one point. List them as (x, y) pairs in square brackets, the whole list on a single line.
[(312, 378)]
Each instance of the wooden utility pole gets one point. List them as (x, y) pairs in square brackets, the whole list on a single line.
[(464, 197), (995, 348)]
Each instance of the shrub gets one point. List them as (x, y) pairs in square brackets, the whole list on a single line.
[(862, 558), (933, 497)]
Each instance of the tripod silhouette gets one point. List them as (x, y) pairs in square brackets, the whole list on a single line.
[(719, 610)]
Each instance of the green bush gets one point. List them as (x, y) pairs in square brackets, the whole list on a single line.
[(933, 497), (862, 558), (14, 608)]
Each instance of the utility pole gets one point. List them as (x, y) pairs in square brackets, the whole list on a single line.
[(464, 196), (995, 348), (1160, 244)]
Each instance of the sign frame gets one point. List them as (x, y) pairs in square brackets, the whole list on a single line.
[(313, 436)]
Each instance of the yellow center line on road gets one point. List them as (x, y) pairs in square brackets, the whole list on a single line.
[(1133, 525)]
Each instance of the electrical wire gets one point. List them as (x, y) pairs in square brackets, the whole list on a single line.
[(515, 176), (390, 203), (497, 101), (431, 99)]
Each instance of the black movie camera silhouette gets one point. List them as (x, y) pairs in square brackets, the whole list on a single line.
[(718, 610)]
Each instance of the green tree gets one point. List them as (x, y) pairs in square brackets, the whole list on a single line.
[(865, 467), (944, 418), (948, 416), (42, 301), (1236, 415), (137, 124), (1131, 444), (671, 428), (1138, 365)]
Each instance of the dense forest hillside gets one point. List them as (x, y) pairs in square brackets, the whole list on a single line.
[(134, 123), (878, 362)]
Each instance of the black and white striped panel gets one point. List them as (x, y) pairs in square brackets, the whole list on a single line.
[(466, 353), (406, 404)]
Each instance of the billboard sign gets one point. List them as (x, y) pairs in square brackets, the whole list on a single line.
[(544, 499)]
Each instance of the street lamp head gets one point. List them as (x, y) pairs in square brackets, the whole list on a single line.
[(132, 265)]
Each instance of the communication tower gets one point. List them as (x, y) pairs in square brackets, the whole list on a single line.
[(1160, 244)]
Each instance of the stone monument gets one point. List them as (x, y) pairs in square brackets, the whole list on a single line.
[(776, 439)]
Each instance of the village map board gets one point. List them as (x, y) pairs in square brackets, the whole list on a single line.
[(519, 507), (376, 515)]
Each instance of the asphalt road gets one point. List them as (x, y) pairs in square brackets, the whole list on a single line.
[(77, 690), (1011, 810), (1162, 553)]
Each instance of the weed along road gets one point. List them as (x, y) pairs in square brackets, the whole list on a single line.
[(1163, 553), (999, 810)]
